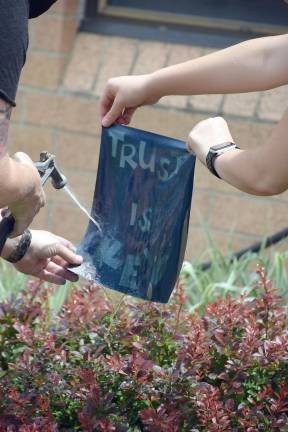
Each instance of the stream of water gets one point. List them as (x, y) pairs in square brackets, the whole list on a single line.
[(76, 201)]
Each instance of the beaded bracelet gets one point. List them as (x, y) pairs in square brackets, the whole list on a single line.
[(21, 248)]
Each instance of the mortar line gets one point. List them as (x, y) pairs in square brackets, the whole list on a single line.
[(91, 97)]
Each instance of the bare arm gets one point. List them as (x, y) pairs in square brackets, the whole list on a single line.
[(259, 171), (15, 178), (20, 186), (254, 65)]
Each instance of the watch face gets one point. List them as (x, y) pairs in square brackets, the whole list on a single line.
[(219, 147)]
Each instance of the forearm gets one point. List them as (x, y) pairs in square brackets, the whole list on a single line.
[(262, 170), (242, 169), (15, 178), (16, 181), (254, 65), (9, 245)]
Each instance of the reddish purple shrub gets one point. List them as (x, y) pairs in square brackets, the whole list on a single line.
[(143, 366)]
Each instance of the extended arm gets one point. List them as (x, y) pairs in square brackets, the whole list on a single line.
[(254, 65)]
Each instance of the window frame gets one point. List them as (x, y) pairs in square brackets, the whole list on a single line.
[(96, 9)]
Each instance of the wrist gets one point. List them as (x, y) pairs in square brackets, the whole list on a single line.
[(20, 249), (224, 159), (215, 152), (156, 87), (9, 247)]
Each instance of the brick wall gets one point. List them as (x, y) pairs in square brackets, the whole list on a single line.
[(57, 110)]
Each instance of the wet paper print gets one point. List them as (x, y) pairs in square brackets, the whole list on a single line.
[(142, 202)]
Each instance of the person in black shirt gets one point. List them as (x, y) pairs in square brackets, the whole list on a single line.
[(45, 255)]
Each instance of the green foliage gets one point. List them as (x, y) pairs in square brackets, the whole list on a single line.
[(231, 277), (97, 366)]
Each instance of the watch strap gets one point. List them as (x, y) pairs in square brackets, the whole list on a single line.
[(212, 155), (210, 158)]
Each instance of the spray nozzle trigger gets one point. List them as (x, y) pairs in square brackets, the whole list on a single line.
[(47, 168)]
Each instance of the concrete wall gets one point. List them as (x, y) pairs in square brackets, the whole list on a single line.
[(57, 110)]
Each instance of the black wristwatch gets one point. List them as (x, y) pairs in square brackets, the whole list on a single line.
[(216, 151)]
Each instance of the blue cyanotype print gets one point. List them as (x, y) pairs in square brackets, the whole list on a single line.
[(142, 202)]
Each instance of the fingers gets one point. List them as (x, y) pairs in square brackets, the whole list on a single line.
[(126, 116), (61, 272), (66, 243), (114, 112), (189, 146), (56, 274), (63, 252), (106, 101)]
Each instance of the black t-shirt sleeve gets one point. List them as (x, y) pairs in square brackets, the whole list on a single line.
[(13, 45), (38, 7)]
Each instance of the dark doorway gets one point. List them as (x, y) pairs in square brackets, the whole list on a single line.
[(258, 11), (244, 18)]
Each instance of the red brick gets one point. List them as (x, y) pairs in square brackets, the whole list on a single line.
[(179, 54), (174, 101), (196, 244), (204, 179), (241, 104), (114, 63), (183, 53), (31, 140), (81, 184), (278, 210), (273, 104), (209, 103), (76, 151), (166, 122), (18, 111), (199, 208), (244, 215), (54, 33), (68, 222), (151, 56), (43, 70), (249, 134), (228, 242), (84, 63), (40, 222), (63, 112)]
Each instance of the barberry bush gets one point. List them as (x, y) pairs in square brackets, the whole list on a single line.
[(140, 366)]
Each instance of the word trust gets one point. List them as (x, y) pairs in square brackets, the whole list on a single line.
[(139, 155)]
